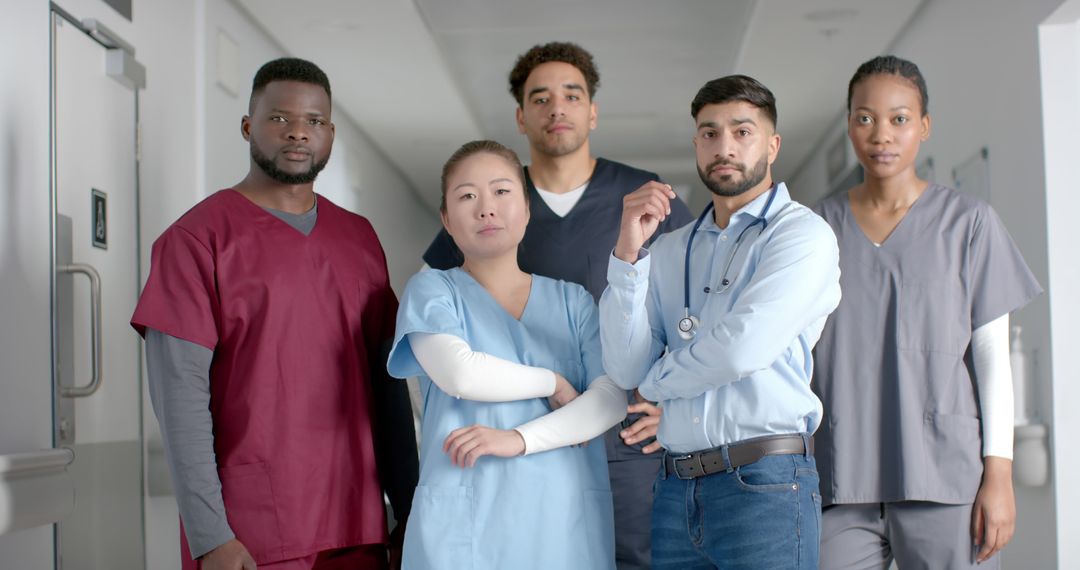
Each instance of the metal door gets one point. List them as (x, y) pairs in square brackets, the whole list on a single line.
[(97, 369)]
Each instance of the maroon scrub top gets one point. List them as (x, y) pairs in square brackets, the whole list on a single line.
[(294, 322)]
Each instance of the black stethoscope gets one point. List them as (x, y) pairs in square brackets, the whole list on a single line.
[(689, 324)]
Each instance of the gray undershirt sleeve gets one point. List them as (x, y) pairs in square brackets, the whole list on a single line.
[(179, 381)]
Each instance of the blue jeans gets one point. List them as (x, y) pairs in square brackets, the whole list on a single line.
[(759, 516)]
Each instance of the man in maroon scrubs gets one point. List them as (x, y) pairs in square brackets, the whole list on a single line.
[(267, 315)]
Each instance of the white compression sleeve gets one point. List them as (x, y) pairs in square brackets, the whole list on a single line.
[(601, 406), (459, 371), (993, 377)]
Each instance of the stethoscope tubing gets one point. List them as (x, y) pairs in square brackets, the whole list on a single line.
[(760, 219)]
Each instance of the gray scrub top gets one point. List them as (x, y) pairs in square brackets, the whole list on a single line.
[(901, 415)]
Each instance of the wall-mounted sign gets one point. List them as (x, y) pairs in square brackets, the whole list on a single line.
[(99, 226)]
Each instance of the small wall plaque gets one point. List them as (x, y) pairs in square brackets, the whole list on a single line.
[(99, 225)]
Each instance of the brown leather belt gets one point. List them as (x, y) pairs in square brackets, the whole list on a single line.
[(709, 461)]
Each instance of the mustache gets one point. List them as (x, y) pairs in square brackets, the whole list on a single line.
[(725, 162), (296, 148)]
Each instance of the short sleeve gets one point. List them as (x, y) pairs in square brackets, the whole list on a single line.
[(180, 297), (443, 253), (1000, 281), (588, 325), (428, 305)]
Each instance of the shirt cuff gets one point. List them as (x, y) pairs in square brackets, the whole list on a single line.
[(623, 274), (647, 389)]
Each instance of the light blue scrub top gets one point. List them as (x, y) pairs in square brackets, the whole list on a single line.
[(549, 510)]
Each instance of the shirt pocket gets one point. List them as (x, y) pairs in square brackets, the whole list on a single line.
[(954, 455), (440, 530), (932, 315), (249, 505)]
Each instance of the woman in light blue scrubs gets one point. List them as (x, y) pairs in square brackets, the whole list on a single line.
[(503, 481)]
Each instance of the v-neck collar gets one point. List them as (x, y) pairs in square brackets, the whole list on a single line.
[(259, 213), (900, 235), (535, 200), (487, 294)]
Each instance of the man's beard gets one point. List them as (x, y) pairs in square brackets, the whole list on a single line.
[(732, 188), (271, 169)]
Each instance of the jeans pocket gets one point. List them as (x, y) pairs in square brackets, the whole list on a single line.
[(770, 474)]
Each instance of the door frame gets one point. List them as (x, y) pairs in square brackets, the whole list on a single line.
[(135, 75)]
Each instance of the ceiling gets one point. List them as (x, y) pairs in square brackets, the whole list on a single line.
[(422, 77)]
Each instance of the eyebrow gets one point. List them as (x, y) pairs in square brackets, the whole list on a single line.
[(898, 108), (308, 113), (734, 122), (570, 86), (472, 185)]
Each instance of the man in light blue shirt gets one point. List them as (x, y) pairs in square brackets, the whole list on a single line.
[(722, 336)]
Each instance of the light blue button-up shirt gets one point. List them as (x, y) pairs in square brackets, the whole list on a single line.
[(747, 371)]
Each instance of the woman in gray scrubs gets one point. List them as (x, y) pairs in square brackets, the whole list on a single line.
[(915, 452)]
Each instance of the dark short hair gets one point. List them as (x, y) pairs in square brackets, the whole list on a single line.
[(564, 52), (891, 65), (287, 69), (735, 88), (476, 147)]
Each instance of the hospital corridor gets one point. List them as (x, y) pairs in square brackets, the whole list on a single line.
[(576, 284)]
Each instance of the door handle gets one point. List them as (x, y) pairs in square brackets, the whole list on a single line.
[(95, 331)]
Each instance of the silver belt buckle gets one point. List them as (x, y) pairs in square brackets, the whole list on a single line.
[(675, 463)]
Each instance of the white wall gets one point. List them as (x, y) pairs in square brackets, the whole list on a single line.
[(1059, 40), (981, 62)]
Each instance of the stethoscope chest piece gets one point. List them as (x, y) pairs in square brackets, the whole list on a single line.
[(688, 326)]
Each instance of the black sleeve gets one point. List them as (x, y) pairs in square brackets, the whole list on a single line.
[(443, 252), (393, 430), (395, 437)]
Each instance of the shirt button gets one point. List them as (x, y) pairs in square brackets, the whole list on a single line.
[(723, 237), (631, 274), (697, 420), (626, 317)]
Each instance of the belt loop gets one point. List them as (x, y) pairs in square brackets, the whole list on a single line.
[(663, 466), (727, 459)]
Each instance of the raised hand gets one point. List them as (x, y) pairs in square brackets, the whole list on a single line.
[(643, 210)]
